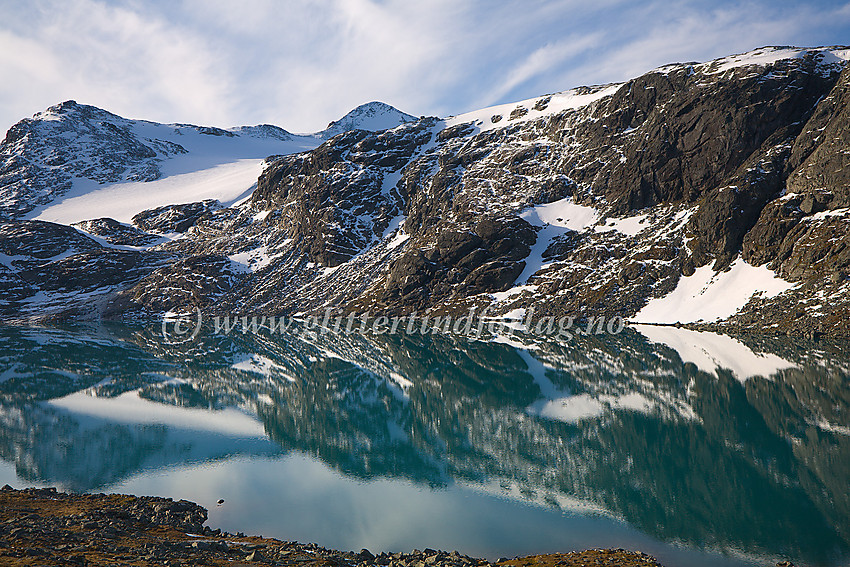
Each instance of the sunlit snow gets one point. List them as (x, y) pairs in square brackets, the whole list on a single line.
[(575, 98), (555, 219), (711, 296)]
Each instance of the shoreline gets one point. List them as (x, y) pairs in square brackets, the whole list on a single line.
[(40, 526)]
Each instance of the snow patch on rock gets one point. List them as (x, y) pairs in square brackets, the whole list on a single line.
[(710, 296)]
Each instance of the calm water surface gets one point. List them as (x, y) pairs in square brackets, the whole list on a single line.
[(697, 448)]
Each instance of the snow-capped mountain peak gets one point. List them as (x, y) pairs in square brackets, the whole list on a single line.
[(372, 116), (74, 162)]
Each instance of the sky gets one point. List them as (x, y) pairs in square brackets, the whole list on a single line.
[(300, 64)]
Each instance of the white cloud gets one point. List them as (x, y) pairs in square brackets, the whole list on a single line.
[(301, 64), (113, 57)]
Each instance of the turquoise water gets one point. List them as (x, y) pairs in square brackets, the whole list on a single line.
[(697, 448)]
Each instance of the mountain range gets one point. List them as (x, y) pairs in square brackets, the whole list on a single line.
[(715, 194)]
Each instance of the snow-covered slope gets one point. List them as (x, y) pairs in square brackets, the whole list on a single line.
[(509, 114), (227, 182), (75, 162), (172, 163), (372, 116), (828, 58)]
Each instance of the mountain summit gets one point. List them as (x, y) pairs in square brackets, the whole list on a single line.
[(372, 116)]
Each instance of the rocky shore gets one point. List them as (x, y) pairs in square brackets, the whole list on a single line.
[(47, 527)]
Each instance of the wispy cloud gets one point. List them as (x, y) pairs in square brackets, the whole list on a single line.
[(541, 62), (301, 63), (112, 56), (686, 31)]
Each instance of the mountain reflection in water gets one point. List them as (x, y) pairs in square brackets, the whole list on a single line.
[(694, 439)]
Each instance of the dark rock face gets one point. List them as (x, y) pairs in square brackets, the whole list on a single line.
[(728, 212), (804, 234), (42, 240), (174, 218), (822, 175), (51, 268), (117, 233), (460, 264), (693, 130), (688, 165), (340, 198), (196, 281)]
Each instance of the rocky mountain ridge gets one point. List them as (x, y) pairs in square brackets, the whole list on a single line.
[(711, 193)]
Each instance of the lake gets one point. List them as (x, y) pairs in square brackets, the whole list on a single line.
[(697, 448)]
